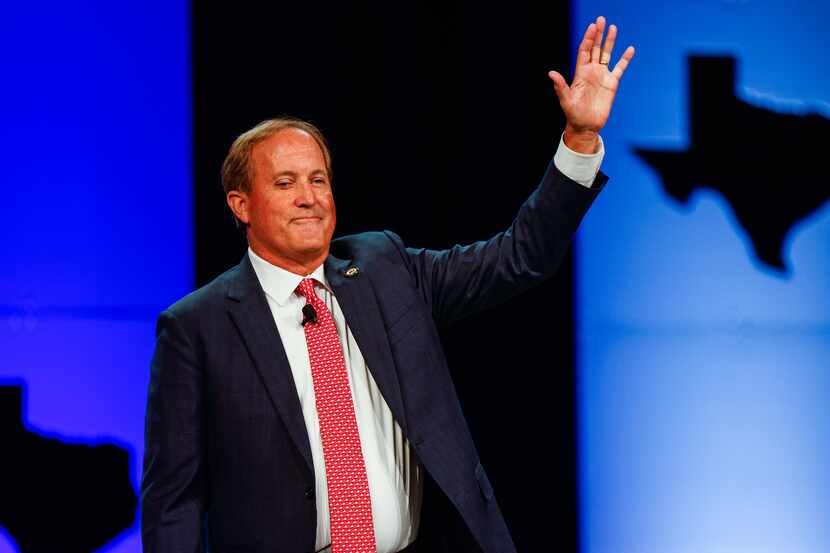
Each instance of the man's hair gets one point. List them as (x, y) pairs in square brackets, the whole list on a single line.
[(237, 169)]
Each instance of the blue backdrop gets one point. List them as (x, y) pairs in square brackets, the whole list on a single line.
[(704, 381), (704, 374), (96, 214)]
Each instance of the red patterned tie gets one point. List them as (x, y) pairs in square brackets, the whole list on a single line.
[(350, 507)]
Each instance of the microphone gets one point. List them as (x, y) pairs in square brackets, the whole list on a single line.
[(309, 314)]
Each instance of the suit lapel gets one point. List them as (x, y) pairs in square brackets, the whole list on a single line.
[(356, 297), (250, 313)]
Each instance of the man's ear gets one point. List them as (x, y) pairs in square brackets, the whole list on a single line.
[(238, 202)]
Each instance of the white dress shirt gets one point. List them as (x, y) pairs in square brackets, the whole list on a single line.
[(394, 475)]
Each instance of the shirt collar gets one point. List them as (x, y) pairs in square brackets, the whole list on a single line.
[(279, 283)]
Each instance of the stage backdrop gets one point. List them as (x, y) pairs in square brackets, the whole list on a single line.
[(95, 239), (704, 285)]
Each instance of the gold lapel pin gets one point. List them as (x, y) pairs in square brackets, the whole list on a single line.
[(352, 272)]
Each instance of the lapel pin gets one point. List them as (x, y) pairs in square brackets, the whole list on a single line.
[(352, 272)]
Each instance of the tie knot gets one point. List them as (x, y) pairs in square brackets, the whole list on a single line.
[(306, 288)]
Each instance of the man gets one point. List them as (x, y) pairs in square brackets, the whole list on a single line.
[(301, 402)]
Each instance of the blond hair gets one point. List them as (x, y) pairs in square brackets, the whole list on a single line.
[(237, 172)]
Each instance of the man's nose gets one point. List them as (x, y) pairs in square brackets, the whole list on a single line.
[(305, 195)]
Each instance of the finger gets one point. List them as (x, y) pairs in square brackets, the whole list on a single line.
[(583, 55), (619, 69), (608, 47), (560, 85), (597, 39)]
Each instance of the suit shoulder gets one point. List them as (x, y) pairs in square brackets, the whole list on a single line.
[(204, 299), (367, 246)]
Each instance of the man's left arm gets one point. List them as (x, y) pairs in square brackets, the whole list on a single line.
[(579, 167), (465, 279)]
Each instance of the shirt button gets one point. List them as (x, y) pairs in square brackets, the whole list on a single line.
[(309, 492)]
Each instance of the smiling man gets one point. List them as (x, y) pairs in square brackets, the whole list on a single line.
[(301, 402), (278, 184)]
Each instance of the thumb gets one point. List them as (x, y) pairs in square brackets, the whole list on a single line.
[(560, 85)]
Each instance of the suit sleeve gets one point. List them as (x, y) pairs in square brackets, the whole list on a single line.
[(465, 279), (173, 483)]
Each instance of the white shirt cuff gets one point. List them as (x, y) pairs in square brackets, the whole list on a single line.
[(582, 168)]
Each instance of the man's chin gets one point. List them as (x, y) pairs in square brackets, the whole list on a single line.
[(311, 247)]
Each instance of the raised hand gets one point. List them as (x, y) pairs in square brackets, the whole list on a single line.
[(587, 101)]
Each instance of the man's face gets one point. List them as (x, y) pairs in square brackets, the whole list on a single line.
[(290, 208)]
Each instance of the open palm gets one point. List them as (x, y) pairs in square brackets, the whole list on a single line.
[(587, 101)]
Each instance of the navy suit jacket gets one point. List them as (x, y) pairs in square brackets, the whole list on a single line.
[(228, 467)]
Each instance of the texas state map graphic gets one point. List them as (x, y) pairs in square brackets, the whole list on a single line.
[(769, 166), (58, 497)]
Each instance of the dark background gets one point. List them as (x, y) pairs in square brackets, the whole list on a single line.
[(703, 329), (442, 120)]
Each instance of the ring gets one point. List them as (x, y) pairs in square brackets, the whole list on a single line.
[(603, 63), (605, 58)]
